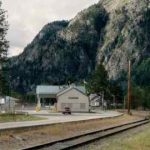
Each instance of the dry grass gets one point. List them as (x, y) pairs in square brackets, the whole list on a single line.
[(138, 139), (17, 117)]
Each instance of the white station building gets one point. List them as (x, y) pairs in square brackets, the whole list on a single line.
[(60, 97)]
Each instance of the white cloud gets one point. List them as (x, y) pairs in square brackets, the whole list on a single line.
[(27, 17)]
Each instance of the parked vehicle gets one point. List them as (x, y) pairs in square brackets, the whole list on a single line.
[(67, 110)]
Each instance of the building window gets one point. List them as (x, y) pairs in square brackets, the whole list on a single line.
[(82, 105)]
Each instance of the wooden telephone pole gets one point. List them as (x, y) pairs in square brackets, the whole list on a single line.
[(129, 88)]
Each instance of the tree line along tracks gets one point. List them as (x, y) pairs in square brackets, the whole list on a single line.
[(87, 138)]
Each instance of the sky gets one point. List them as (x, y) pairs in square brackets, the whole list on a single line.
[(27, 17)]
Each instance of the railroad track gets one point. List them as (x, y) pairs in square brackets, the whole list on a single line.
[(86, 138)]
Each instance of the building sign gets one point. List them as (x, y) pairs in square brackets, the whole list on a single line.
[(73, 97)]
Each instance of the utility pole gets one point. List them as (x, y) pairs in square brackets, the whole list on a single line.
[(124, 106), (102, 96), (114, 101), (129, 88)]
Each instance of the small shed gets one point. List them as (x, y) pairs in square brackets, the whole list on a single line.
[(74, 98), (95, 100), (7, 104)]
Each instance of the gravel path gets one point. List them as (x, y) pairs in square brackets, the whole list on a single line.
[(58, 118)]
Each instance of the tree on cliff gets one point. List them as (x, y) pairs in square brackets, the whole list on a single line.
[(99, 81)]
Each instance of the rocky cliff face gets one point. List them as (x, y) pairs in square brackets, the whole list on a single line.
[(127, 36), (110, 32)]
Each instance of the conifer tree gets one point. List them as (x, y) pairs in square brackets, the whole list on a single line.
[(3, 50), (99, 81)]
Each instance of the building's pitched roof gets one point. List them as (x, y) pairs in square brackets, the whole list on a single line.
[(57, 90), (49, 89), (81, 89), (96, 98), (11, 98)]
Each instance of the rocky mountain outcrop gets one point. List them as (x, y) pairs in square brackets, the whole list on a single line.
[(127, 36), (110, 32)]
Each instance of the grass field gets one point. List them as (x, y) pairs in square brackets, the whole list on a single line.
[(17, 117), (140, 141)]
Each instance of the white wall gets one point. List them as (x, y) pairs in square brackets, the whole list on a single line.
[(74, 99)]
